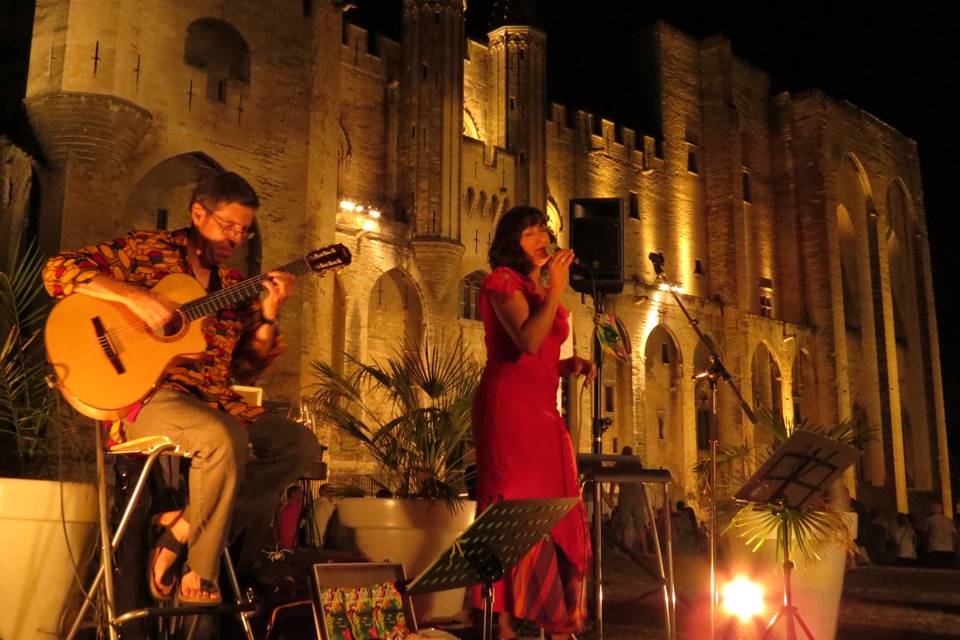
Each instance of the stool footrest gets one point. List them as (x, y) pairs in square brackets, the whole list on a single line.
[(191, 610)]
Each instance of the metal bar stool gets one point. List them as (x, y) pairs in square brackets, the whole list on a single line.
[(152, 448), (599, 468)]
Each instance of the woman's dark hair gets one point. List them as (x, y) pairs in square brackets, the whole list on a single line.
[(505, 250), (222, 188)]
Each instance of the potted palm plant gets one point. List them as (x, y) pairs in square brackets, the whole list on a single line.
[(412, 416), (756, 535), (44, 523)]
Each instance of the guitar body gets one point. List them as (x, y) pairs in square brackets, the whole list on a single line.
[(106, 360)]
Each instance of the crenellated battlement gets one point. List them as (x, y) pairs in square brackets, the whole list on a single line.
[(373, 53), (597, 134), (499, 159)]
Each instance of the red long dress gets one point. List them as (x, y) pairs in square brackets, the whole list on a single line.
[(524, 450)]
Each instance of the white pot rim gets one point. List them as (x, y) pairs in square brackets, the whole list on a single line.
[(404, 513), (41, 500)]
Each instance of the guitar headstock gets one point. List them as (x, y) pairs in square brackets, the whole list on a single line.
[(329, 257)]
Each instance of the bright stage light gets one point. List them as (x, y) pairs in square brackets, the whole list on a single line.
[(373, 213), (664, 286), (742, 598), (348, 205)]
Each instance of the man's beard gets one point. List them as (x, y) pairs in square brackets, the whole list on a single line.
[(206, 251)]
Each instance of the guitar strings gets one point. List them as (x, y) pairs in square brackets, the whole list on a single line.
[(211, 303)]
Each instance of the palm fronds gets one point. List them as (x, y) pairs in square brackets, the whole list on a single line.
[(26, 401), (806, 531), (411, 413)]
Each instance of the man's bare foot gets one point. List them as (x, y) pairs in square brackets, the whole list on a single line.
[(195, 589)]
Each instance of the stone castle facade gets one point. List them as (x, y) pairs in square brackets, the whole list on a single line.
[(794, 223)]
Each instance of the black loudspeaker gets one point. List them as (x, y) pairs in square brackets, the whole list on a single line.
[(596, 237)]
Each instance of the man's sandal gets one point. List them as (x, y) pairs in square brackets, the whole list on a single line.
[(162, 539)]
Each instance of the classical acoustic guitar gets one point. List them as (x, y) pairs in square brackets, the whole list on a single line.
[(105, 359)]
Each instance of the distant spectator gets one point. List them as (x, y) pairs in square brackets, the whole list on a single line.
[(287, 520), (921, 538), (630, 521), (905, 541), (862, 519), (322, 512), (875, 539), (940, 538), (685, 527), (699, 540), (666, 510)]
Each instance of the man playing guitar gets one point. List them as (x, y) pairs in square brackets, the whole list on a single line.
[(193, 404)]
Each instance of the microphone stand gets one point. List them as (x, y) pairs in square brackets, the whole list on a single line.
[(715, 373), (599, 425)]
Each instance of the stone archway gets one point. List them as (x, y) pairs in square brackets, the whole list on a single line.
[(217, 47), (338, 332), (702, 400), (806, 400), (767, 390), (161, 200), (849, 268), (906, 284), (394, 316), (663, 413), (163, 193)]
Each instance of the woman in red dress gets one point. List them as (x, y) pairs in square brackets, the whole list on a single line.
[(523, 446)]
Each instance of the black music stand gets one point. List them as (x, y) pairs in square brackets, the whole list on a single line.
[(797, 473), (496, 541)]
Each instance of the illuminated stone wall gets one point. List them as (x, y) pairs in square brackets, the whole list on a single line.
[(793, 223)]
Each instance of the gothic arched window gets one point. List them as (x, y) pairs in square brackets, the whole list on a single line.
[(469, 295), (218, 48)]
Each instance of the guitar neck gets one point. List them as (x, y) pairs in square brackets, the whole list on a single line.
[(235, 294)]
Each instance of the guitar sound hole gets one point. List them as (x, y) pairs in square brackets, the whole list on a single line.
[(173, 326)]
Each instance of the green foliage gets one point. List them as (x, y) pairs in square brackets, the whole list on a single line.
[(806, 531), (411, 414), (26, 401)]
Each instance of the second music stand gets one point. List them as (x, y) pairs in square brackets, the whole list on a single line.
[(797, 473)]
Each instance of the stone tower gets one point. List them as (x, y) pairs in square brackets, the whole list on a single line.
[(431, 136), (516, 102), (81, 101)]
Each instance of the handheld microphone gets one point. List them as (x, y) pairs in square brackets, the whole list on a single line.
[(578, 266)]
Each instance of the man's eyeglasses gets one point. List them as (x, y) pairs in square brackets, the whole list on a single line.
[(231, 228)]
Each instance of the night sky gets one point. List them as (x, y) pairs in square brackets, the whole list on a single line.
[(897, 63)]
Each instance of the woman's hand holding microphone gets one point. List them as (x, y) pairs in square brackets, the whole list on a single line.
[(559, 268)]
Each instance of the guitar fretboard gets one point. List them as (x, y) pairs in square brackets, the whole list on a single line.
[(235, 294)]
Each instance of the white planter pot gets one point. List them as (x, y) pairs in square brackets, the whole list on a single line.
[(816, 587), (35, 565), (413, 532)]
